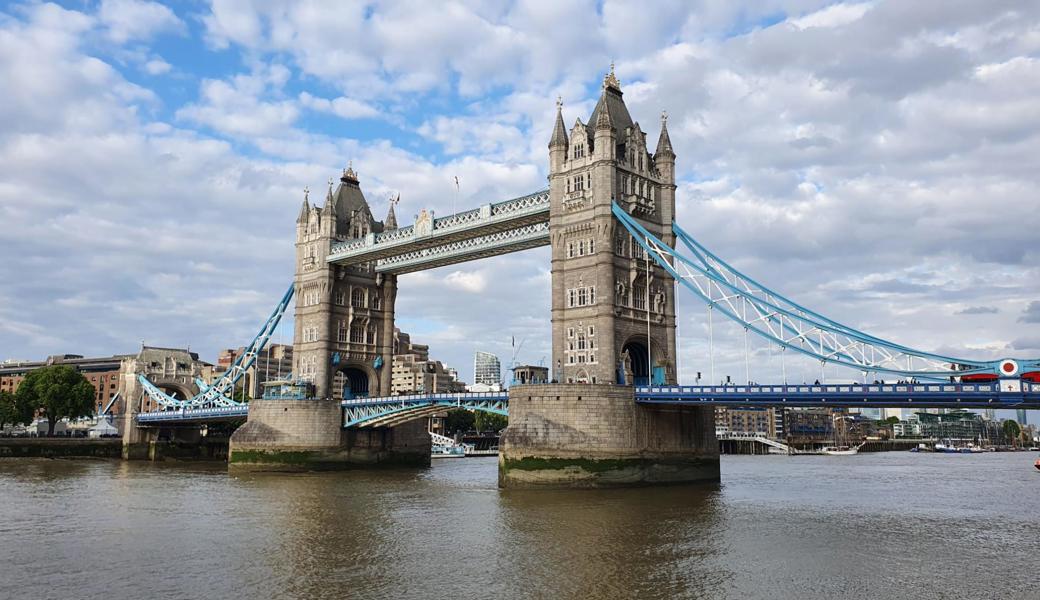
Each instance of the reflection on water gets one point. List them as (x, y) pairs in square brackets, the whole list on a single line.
[(888, 525)]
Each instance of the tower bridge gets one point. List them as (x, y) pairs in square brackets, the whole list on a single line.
[(615, 412)]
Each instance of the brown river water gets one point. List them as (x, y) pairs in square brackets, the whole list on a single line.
[(890, 525)]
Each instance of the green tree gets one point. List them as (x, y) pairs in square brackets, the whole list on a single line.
[(891, 420), (58, 391), (459, 420), (485, 421), (1012, 431), (9, 413)]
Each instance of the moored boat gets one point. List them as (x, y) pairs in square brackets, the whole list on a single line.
[(439, 451)]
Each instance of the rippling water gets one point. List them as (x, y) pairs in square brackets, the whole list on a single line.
[(894, 525)]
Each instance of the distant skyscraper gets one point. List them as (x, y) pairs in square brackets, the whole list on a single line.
[(487, 370), (1021, 414)]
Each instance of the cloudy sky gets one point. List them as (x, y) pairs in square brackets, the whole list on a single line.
[(877, 161)]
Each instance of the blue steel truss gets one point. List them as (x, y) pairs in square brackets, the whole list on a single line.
[(913, 395), (792, 326), (194, 415), (394, 410), (218, 394)]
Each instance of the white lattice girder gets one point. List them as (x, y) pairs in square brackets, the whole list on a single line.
[(486, 246), (479, 222)]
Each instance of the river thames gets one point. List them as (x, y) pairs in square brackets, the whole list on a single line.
[(892, 525)]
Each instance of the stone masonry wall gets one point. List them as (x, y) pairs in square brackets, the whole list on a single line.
[(291, 424), (591, 435), (308, 434)]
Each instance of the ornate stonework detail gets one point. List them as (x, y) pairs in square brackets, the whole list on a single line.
[(614, 164), (423, 223)]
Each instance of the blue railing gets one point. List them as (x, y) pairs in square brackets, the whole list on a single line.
[(377, 411), (906, 395), (194, 414)]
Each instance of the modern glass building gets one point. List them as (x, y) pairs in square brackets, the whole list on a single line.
[(487, 370)]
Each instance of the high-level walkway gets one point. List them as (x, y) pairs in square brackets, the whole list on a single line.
[(491, 230)]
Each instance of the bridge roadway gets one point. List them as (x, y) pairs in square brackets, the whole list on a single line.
[(854, 395), (394, 410)]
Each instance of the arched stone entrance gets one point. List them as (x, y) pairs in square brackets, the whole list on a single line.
[(353, 382), (637, 367)]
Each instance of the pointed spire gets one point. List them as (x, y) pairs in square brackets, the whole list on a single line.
[(559, 135), (391, 219), (664, 143), (330, 203), (349, 176), (611, 80), (603, 120), (305, 209)]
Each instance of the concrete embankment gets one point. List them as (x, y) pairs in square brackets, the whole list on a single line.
[(60, 448)]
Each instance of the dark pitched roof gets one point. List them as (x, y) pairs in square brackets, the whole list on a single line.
[(349, 202), (612, 102)]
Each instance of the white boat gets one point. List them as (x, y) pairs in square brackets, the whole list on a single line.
[(840, 450), (439, 451)]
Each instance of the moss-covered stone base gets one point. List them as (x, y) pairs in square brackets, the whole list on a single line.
[(59, 448), (542, 472), (283, 460)]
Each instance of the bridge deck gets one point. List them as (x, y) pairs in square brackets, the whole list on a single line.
[(490, 230), (394, 410), (193, 415), (914, 395)]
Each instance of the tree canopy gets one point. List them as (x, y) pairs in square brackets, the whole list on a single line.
[(1012, 430), (485, 421), (58, 392), (459, 420), (9, 412)]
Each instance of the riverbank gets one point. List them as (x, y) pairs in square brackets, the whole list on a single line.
[(215, 450), (60, 448)]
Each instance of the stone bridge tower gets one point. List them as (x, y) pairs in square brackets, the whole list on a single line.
[(344, 324), (343, 341), (613, 311), (613, 321)]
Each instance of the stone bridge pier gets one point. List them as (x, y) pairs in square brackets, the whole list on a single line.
[(308, 434), (172, 370), (595, 435)]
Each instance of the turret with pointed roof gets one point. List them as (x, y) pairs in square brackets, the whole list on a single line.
[(390, 223), (559, 134), (306, 208), (664, 143)]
